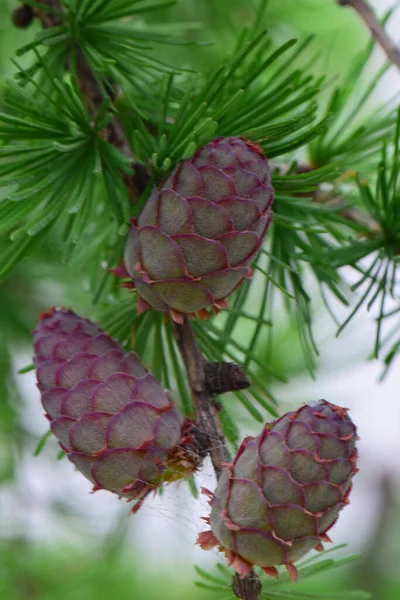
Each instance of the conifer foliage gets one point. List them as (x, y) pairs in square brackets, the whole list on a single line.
[(250, 177)]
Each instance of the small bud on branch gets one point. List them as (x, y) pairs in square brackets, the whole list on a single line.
[(23, 16)]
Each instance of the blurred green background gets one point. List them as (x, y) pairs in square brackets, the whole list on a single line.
[(59, 543)]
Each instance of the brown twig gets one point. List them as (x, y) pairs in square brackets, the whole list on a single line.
[(200, 374), (364, 10), (205, 412), (247, 588)]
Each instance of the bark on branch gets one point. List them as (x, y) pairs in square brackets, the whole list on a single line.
[(200, 373), (247, 588), (364, 10), (205, 411)]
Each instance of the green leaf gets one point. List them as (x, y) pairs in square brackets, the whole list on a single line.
[(193, 487), (42, 442), (209, 577), (286, 594), (26, 369)]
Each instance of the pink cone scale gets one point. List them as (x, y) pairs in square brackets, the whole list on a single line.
[(284, 490), (194, 241), (116, 423)]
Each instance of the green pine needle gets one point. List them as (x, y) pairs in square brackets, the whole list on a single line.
[(283, 587), (42, 442)]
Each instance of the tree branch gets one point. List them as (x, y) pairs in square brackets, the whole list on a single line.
[(247, 588), (364, 10), (200, 373), (205, 412), (205, 379)]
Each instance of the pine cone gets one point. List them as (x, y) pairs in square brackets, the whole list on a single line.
[(114, 420), (195, 239), (284, 490)]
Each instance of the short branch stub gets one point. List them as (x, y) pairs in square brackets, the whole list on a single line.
[(225, 377), (247, 588)]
